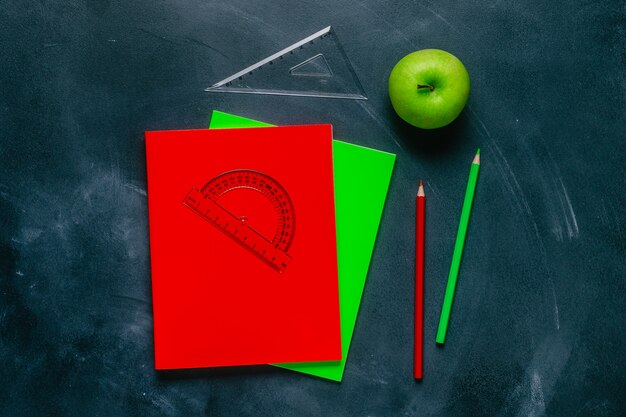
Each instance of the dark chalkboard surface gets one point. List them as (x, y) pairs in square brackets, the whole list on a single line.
[(538, 322)]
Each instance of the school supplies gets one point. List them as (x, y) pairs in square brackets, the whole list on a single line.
[(458, 250), (315, 66), (362, 177), (419, 282), (243, 246)]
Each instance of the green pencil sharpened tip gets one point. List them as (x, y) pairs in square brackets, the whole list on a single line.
[(478, 151)]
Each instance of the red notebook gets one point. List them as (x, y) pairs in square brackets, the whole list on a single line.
[(242, 246)]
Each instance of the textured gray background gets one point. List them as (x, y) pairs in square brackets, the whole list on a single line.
[(538, 323)]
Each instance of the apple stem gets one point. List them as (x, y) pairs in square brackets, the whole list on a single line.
[(430, 87)]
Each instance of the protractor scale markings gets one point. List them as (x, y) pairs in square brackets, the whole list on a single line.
[(206, 202)]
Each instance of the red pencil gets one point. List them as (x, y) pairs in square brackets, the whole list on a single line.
[(419, 282)]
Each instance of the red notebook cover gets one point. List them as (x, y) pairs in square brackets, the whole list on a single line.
[(242, 246)]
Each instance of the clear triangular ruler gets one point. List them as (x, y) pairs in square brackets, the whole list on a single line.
[(316, 66)]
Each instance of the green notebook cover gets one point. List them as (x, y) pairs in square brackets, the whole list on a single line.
[(362, 178)]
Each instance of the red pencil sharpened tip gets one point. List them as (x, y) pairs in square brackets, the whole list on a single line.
[(420, 190)]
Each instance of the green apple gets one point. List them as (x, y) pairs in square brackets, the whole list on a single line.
[(429, 88)]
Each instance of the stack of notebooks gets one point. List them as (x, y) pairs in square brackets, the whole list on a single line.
[(260, 238)]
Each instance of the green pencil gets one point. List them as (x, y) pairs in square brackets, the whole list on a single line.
[(458, 249)]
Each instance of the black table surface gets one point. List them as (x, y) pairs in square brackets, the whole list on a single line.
[(538, 322)]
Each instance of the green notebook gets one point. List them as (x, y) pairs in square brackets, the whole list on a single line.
[(362, 178)]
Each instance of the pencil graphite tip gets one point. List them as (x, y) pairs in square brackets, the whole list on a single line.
[(420, 190), (477, 158)]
